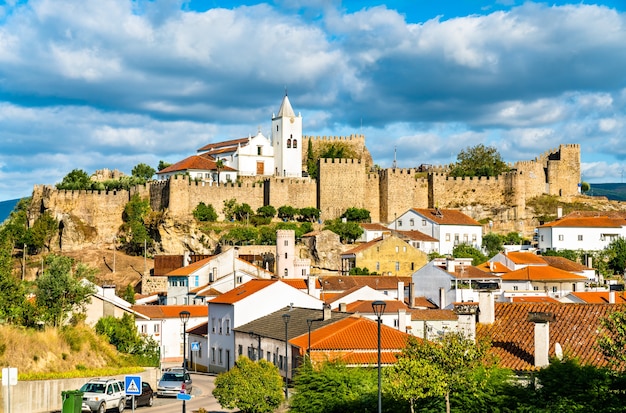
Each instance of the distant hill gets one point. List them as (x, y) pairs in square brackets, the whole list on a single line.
[(614, 192), (6, 207)]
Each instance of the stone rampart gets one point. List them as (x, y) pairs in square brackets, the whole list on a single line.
[(341, 185)]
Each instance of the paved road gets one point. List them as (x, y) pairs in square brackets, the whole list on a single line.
[(201, 397)]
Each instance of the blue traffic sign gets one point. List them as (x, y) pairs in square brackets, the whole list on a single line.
[(195, 346), (183, 396), (132, 385)]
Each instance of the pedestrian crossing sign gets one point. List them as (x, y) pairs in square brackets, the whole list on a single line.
[(132, 385)]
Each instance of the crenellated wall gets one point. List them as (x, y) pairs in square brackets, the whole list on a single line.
[(95, 216)]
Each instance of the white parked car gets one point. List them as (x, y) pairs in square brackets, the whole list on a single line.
[(99, 395)]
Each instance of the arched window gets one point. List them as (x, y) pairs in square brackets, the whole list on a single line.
[(295, 143), (288, 143), (286, 273)]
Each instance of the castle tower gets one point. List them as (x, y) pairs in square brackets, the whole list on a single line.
[(285, 253), (287, 141)]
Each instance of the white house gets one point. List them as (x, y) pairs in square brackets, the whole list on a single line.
[(449, 226), (200, 168), (580, 232), (396, 314), (241, 305), (287, 141), (163, 324), (372, 231), (536, 280)]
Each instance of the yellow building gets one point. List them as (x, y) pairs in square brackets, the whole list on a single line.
[(386, 255)]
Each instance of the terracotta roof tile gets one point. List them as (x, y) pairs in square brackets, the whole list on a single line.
[(230, 144), (373, 227), (189, 269), (434, 315), (365, 307), (564, 264), (193, 162), (519, 257), (599, 297), (493, 267), (471, 272), (446, 216), (414, 236), (534, 299), (542, 273), (576, 329), (242, 291), (423, 302), (377, 282), (362, 247), (171, 311), (586, 222)]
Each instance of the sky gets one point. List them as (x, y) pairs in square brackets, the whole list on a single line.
[(95, 84)]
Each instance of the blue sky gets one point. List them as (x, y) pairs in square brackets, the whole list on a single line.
[(93, 84)]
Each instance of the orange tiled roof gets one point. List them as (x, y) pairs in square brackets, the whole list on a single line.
[(519, 257), (534, 299), (171, 311), (299, 283), (352, 334), (194, 162), (564, 264), (434, 315), (365, 306), (423, 302), (415, 236), (542, 273), (377, 282), (586, 222), (471, 272), (576, 329), (242, 291), (498, 267), (446, 216), (373, 226), (189, 269), (599, 297), (362, 247)]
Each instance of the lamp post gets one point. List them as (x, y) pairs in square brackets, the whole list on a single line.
[(286, 318), (184, 317), (310, 322), (379, 310)]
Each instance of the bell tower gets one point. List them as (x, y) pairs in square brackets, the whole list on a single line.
[(287, 141)]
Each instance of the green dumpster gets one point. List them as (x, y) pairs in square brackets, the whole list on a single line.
[(72, 401)]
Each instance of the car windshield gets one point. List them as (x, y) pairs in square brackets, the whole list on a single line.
[(173, 377), (93, 388)]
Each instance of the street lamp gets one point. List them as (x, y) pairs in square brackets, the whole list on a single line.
[(286, 318), (184, 317), (309, 322), (379, 310)]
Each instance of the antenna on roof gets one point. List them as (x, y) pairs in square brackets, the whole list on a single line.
[(438, 212)]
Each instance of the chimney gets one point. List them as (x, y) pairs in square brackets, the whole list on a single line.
[(402, 320), (559, 212), (450, 264), (467, 319), (312, 289), (343, 307), (486, 305), (108, 291), (442, 298), (186, 259), (542, 336), (611, 297), (411, 295), (401, 291), (327, 313)]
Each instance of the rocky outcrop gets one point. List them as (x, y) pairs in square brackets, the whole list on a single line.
[(324, 249)]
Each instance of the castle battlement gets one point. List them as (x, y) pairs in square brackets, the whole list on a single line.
[(335, 138), (346, 161)]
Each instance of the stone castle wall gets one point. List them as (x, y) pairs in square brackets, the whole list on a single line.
[(342, 183), (355, 142)]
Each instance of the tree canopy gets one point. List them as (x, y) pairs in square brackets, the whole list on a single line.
[(479, 160)]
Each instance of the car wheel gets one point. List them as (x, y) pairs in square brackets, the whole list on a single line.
[(121, 405), (150, 401), (102, 408)]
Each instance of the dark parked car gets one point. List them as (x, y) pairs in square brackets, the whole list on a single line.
[(146, 398)]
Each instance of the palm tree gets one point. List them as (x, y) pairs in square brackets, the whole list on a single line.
[(219, 165)]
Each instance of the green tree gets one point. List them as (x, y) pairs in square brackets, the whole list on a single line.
[(310, 214), (135, 230), (44, 228), (287, 213), (467, 251), (229, 209), (219, 165), (612, 339), (266, 211), (479, 160), (347, 231), (205, 213), (616, 254), (13, 297), (359, 271), (243, 212), (59, 290), (251, 387), (311, 161), (585, 187), (129, 294), (513, 238), (357, 215), (492, 243), (122, 333), (241, 235), (75, 180), (569, 254), (143, 171), (334, 388), (162, 165)]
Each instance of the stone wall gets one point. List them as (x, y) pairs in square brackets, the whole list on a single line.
[(400, 190), (341, 185)]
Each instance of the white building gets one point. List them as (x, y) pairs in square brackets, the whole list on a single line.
[(449, 226), (241, 305), (575, 232), (199, 168), (287, 141), (288, 264)]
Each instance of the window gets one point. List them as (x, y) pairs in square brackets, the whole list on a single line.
[(554, 289), (276, 128), (377, 266), (288, 143), (396, 322), (561, 237), (286, 272), (399, 222), (397, 265), (542, 238), (474, 238), (196, 281), (456, 239), (411, 222), (295, 143), (213, 325), (397, 248), (285, 255), (239, 279), (404, 249), (447, 237), (219, 323), (156, 329), (269, 356), (286, 243), (144, 329), (240, 349), (536, 288), (423, 222), (219, 353), (515, 288), (258, 150), (227, 327), (213, 354), (580, 238)]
